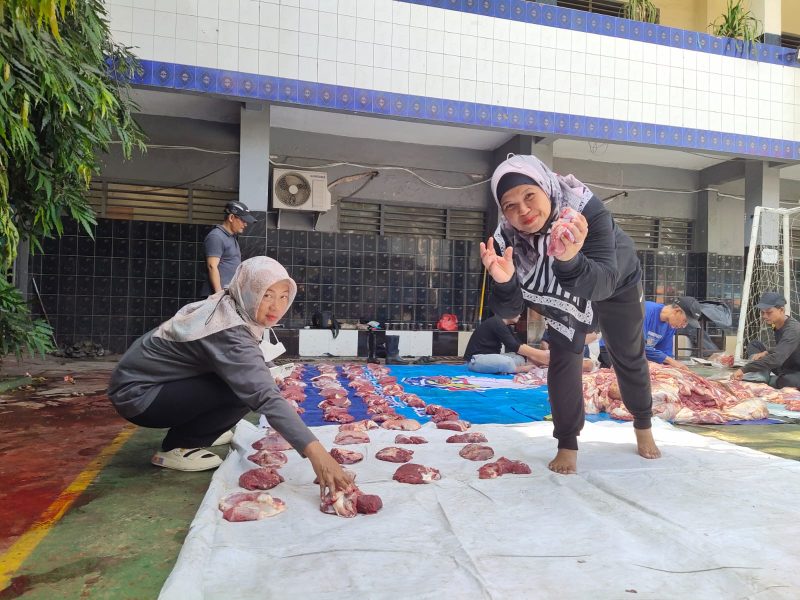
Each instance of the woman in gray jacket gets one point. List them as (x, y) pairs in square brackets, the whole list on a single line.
[(201, 371)]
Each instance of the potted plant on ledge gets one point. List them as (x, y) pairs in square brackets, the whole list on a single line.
[(640, 10), (738, 23)]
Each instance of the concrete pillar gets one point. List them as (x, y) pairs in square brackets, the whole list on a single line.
[(768, 12), (719, 225), (542, 148), (254, 157), (254, 176), (761, 188)]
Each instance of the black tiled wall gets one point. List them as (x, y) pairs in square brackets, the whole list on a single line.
[(112, 289), (706, 276), (410, 280), (136, 274)]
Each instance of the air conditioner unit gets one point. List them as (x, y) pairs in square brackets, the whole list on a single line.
[(300, 191)]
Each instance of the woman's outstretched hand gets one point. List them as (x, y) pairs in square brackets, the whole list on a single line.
[(499, 266)]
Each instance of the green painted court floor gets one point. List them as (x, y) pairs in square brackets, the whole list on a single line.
[(121, 536)]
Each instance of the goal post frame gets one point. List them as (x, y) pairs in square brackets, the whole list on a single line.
[(748, 277), (785, 226)]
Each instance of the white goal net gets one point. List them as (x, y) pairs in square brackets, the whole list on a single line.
[(773, 260)]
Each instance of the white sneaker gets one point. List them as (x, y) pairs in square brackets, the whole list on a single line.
[(187, 459), (223, 439)]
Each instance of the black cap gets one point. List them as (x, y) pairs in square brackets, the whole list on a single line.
[(691, 307), (771, 300), (239, 209)]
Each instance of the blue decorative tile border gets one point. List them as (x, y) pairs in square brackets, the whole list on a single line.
[(578, 20), (470, 114)]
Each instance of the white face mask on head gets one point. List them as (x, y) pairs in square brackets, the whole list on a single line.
[(271, 350)]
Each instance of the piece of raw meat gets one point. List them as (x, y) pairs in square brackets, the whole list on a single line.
[(342, 503), (381, 417), (413, 473), (333, 391), (474, 437), (335, 401), (349, 502), (413, 439), (392, 390), (560, 233), (263, 478), (395, 455), (387, 379), (351, 437), (363, 425), (412, 400), (401, 424), (444, 414), (272, 441), (723, 359), (268, 458), (338, 416), (503, 466), (476, 452), (459, 425), (293, 393), (250, 506), (346, 457), (368, 504)]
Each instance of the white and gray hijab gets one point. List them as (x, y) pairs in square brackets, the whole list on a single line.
[(232, 307), (562, 311)]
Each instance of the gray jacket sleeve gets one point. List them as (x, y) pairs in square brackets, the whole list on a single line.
[(234, 355), (778, 355)]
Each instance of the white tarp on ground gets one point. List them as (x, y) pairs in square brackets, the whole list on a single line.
[(708, 520)]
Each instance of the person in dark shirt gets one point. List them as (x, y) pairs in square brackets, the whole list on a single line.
[(221, 245), (483, 353), (562, 254), (779, 367)]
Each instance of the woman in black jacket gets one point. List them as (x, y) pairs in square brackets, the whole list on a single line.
[(561, 253)]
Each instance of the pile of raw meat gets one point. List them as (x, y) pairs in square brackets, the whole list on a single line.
[(679, 396), (380, 391), (335, 401), (788, 396), (356, 433), (293, 389), (381, 394), (257, 504)]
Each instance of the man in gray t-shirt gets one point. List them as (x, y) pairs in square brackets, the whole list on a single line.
[(222, 247)]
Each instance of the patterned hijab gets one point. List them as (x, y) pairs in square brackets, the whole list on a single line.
[(562, 311), (232, 307)]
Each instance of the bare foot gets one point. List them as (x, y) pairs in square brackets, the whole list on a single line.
[(646, 444), (565, 462)]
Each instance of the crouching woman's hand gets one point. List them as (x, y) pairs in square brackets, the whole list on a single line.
[(329, 472)]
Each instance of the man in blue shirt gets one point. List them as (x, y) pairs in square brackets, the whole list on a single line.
[(660, 323)]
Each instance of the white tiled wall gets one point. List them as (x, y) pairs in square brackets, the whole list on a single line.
[(405, 48)]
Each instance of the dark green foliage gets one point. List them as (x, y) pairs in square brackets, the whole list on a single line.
[(60, 107)]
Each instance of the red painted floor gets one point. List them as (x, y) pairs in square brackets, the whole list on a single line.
[(46, 439)]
